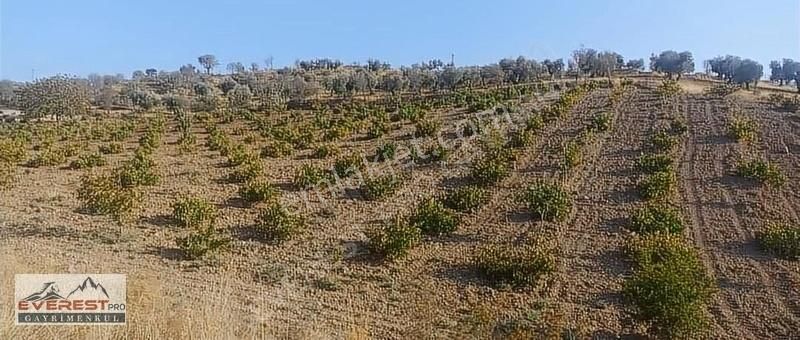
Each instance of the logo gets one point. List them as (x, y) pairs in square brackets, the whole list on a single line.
[(70, 299)]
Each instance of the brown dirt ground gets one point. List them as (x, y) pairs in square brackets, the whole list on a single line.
[(320, 285)]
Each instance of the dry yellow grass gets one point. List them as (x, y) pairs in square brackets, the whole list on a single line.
[(152, 313)]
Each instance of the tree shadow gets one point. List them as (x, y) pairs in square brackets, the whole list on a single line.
[(167, 253)]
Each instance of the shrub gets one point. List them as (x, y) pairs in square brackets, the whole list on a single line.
[(601, 122), (654, 163), (432, 218), (377, 129), (678, 127), (472, 127), (466, 199), (101, 194), (663, 141), (150, 140), (433, 153), (762, 171), (194, 212), (238, 155), (393, 239), (201, 243), (258, 190), (48, 157), (325, 151), (277, 149), (110, 148), (489, 169), (427, 127), (218, 140), (186, 143), (522, 265), (521, 138), (140, 170), (548, 202), (378, 187), (658, 185), (782, 241), (309, 176), (348, 166), (88, 161), (534, 123), (248, 171), (411, 113), (386, 152), (572, 155), (276, 223), (743, 129), (656, 218), (12, 151), (669, 288)]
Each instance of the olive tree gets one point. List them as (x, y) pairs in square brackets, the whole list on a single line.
[(748, 71), (208, 61), (673, 63), (55, 96)]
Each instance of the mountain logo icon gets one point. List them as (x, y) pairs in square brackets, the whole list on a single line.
[(88, 289)]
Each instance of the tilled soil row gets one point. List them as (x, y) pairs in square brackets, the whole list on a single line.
[(750, 303)]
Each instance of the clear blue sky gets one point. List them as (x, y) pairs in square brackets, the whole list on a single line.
[(84, 36)]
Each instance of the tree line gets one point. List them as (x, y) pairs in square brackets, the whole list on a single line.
[(274, 88)]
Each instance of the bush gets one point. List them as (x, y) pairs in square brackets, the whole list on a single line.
[(654, 163), (110, 149), (258, 190), (48, 157), (548, 202), (489, 169), (12, 151), (534, 123), (433, 153), (521, 138), (151, 139), (782, 241), (238, 155), (102, 194), (522, 265), (743, 129), (248, 171), (393, 239), (572, 155), (218, 140), (601, 122), (762, 171), (201, 243), (411, 113), (658, 185), (678, 127), (88, 161), (277, 149), (466, 199), (662, 141), (194, 212), (348, 166), (669, 288), (378, 128), (378, 187), (386, 152), (656, 219), (140, 170), (276, 223), (432, 218), (427, 127), (309, 176), (325, 151)]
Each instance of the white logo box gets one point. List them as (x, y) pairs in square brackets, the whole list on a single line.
[(70, 299)]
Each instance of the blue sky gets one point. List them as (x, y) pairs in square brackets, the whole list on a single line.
[(84, 36)]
